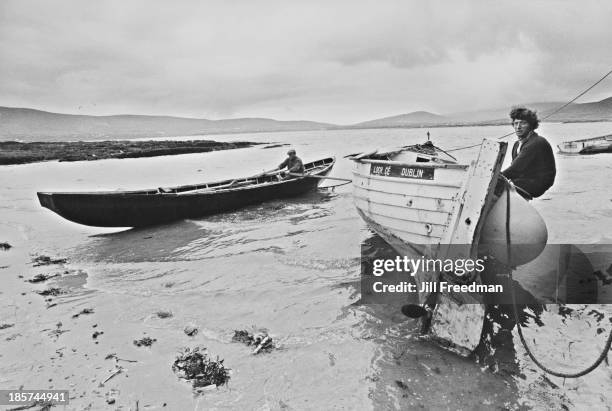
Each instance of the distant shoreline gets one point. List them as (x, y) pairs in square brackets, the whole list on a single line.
[(172, 137), (13, 152)]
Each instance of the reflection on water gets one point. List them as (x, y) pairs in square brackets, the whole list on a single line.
[(252, 229)]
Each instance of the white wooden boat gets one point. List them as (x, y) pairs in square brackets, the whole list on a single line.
[(602, 144), (422, 202)]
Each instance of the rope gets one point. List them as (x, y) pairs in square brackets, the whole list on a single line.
[(587, 370), (337, 185), (549, 115)]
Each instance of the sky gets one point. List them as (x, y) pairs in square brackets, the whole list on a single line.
[(332, 61)]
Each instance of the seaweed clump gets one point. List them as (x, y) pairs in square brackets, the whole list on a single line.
[(38, 278), (196, 365), (144, 342), (83, 312), (53, 291), (164, 314), (46, 260), (260, 340)]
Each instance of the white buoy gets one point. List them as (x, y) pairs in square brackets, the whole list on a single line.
[(528, 232)]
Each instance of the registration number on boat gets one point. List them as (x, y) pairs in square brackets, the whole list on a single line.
[(422, 173)]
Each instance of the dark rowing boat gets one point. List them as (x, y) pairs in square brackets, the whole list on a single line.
[(157, 206)]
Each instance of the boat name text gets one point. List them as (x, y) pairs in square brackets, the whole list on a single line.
[(421, 173)]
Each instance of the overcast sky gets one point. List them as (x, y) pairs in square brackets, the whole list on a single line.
[(334, 61)]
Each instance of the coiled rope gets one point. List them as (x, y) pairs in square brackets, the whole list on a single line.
[(547, 116), (587, 370)]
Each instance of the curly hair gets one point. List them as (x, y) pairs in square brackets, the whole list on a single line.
[(523, 113)]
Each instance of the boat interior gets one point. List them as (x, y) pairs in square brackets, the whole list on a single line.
[(315, 167), (416, 153)]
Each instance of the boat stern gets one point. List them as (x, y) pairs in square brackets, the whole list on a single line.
[(46, 200)]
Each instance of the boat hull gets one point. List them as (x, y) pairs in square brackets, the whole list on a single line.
[(428, 209), (594, 145), (152, 207), (434, 210)]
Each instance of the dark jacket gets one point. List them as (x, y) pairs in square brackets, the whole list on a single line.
[(294, 165), (533, 168)]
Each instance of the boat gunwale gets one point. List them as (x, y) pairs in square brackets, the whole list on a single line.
[(606, 137)]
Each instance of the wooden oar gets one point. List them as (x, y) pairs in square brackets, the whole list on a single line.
[(269, 172), (320, 177)]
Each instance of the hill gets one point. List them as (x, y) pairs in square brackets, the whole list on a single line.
[(35, 125), (593, 111), (414, 119)]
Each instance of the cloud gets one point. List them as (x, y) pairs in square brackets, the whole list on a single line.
[(342, 61)]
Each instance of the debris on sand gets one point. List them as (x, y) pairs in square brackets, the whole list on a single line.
[(39, 278), (260, 340), (5, 326), (164, 314), (195, 365), (5, 246), (118, 370), (144, 342), (46, 260), (83, 312), (58, 331), (117, 359), (53, 291), (44, 406), (191, 330)]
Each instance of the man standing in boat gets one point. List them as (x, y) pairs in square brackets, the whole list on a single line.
[(533, 163), (293, 163)]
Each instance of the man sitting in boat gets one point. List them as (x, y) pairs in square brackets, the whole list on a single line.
[(293, 163), (533, 163)]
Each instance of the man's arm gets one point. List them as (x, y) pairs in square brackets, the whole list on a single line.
[(283, 164)]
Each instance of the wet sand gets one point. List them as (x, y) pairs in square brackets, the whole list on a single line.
[(12, 152)]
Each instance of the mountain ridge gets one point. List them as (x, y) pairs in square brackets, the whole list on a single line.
[(28, 124)]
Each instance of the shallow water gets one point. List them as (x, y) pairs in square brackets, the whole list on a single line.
[(290, 266)]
